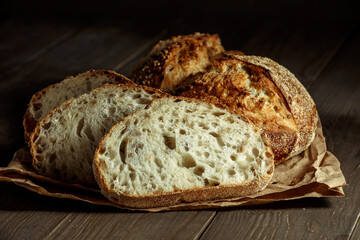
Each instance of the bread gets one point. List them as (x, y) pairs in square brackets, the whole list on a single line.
[(171, 61), (47, 99), (181, 150), (64, 141), (264, 91)]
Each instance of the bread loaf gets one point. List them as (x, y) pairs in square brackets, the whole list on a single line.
[(47, 99), (264, 91), (181, 150), (63, 143), (171, 61)]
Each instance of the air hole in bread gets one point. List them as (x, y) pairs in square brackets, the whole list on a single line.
[(218, 139), (189, 111), (170, 142), (136, 96), (188, 161), (144, 101), (206, 154), (199, 170), (233, 157), (132, 176), (79, 127), (159, 163), (136, 121), (276, 109), (112, 110), (255, 151), (218, 113), (47, 125), (268, 155), (203, 126), (161, 118), (178, 100), (231, 172), (182, 131), (122, 151), (230, 120), (211, 182), (88, 133), (240, 149), (198, 153)]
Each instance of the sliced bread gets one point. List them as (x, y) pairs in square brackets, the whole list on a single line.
[(64, 142), (181, 150), (49, 98)]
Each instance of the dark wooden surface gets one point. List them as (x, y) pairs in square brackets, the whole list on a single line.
[(322, 51)]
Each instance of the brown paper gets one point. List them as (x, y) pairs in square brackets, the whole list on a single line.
[(314, 173)]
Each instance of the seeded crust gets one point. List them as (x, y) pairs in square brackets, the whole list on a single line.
[(171, 61), (35, 111), (177, 196), (265, 92)]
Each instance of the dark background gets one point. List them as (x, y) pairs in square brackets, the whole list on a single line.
[(42, 42)]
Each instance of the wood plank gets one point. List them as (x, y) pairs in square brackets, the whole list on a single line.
[(332, 217), (23, 41)]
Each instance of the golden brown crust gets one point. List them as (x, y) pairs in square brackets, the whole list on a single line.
[(29, 121), (302, 106), (180, 196), (35, 134), (266, 93), (171, 61)]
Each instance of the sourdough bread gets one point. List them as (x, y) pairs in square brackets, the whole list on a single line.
[(172, 60), (49, 98), (63, 143), (264, 91), (181, 150)]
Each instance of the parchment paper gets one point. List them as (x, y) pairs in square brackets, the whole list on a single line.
[(314, 173)]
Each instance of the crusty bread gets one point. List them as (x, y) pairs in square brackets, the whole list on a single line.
[(181, 150), (49, 98), (264, 91), (171, 61), (63, 143)]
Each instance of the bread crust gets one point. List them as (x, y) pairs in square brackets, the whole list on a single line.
[(302, 106), (171, 61), (278, 104), (29, 121), (180, 196), (35, 134)]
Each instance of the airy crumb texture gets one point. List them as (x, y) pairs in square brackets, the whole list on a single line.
[(180, 150), (51, 97), (64, 142)]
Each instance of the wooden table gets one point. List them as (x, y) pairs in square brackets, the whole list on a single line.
[(323, 54)]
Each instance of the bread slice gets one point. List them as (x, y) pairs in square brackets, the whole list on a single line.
[(172, 60), (264, 91), (49, 98), (64, 142), (181, 150)]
